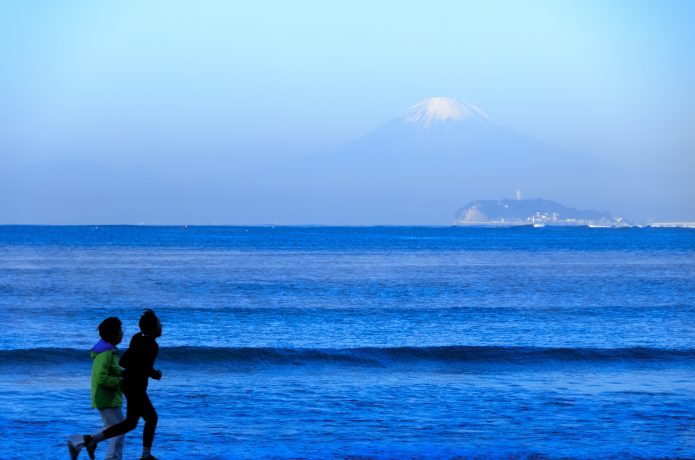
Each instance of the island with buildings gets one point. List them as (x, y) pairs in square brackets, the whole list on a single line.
[(533, 212)]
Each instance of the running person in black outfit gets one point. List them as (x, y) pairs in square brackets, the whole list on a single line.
[(138, 362)]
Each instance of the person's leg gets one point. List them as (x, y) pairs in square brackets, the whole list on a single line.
[(133, 412), (135, 402), (113, 416), (149, 415)]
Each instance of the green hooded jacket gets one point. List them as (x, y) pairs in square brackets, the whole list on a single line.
[(106, 376)]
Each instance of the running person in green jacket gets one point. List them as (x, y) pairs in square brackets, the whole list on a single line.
[(107, 396)]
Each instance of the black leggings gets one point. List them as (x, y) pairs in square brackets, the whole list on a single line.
[(139, 405)]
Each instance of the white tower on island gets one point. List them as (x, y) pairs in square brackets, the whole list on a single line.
[(518, 194)]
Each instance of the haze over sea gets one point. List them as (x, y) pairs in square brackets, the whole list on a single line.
[(360, 342)]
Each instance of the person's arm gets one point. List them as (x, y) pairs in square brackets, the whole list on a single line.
[(116, 368), (124, 360), (150, 357), (104, 377)]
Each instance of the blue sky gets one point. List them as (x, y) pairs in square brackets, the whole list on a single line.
[(191, 89)]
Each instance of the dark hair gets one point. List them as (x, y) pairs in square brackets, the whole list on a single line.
[(148, 322), (109, 328)]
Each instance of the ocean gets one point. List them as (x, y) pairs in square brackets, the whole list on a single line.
[(360, 342)]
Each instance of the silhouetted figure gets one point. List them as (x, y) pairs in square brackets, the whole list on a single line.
[(138, 364)]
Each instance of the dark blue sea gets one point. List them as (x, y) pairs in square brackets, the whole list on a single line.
[(360, 342)]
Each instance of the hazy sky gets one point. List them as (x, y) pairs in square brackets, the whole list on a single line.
[(189, 91)]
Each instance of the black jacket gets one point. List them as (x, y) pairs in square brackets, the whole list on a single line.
[(138, 359)]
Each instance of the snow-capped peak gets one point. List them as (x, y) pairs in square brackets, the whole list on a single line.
[(441, 109)]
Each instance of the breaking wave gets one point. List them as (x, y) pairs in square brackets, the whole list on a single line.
[(371, 356)]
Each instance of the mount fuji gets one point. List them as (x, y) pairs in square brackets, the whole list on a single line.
[(445, 130), (420, 166)]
